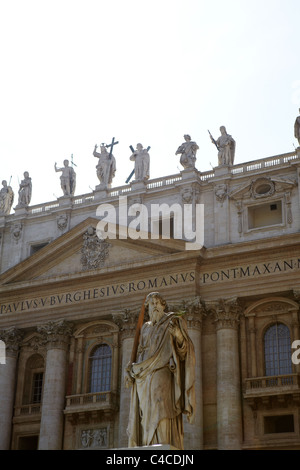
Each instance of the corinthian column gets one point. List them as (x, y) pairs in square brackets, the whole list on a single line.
[(229, 413), (127, 322), (11, 338), (193, 433), (56, 336)]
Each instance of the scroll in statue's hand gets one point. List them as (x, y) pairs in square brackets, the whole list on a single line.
[(175, 332), (128, 378)]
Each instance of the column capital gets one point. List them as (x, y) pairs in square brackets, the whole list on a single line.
[(296, 293), (226, 312), (56, 334), (193, 309), (12, 338), (126, 321)]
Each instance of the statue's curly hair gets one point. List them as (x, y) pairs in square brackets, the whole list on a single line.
[(157, 295)]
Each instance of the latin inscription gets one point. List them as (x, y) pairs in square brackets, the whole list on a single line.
[(253, 270), (98, 293)]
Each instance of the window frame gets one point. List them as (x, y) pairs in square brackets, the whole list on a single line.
[(41, 387), (290, 366), (106, 384)]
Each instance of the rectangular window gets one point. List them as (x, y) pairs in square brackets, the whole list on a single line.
[(35, 248), (279, 424), (37, 387), (265, 215)]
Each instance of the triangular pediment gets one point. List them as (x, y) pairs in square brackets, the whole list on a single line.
[(262, 187), (80, 251)]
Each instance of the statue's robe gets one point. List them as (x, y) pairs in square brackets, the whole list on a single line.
[(142, 164), (227, 146), (188, 152), (164, 385)]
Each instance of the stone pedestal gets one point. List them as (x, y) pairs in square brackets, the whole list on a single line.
[(137, 185), (65, 201), (51, 430), (21, 211), (222, 170), (189, 173), (101, 192), (11, 338)]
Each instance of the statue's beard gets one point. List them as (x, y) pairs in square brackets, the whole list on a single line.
[(156, 315)]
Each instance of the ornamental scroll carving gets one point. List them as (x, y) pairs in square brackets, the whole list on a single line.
[(221, 192), (94, 251), (56, 333), (126, 320), (12, 338), (226, 313), (193, 309)]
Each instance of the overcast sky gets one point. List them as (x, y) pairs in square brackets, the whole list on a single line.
[(77, 73)]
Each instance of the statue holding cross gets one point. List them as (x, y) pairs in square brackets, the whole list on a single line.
[(106, 167), (141, 159)]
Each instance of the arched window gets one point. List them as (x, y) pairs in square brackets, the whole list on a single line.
[(277, 345), (100, 369)]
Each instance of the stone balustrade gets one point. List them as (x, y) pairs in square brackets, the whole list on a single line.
[(86, 401), (276, 383), (153, 184)]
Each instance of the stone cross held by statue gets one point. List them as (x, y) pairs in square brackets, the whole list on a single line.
[(111, 146), (72, 161), (132, 173)]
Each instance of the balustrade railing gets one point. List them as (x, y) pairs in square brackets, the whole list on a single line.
[(260, 384), (153, 184), (87, 399), (28, 410)]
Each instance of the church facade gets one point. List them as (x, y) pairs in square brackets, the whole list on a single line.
[(69, 304)]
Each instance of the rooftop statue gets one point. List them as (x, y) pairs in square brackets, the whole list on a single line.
[(188, 152), (226, 147), (25, 190), (297, 129), (67, 179), (141, 160), (6, 198), (162, 376), (106, 167)]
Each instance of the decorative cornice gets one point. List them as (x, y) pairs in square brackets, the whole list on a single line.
[(12, 338), (34, 342)]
